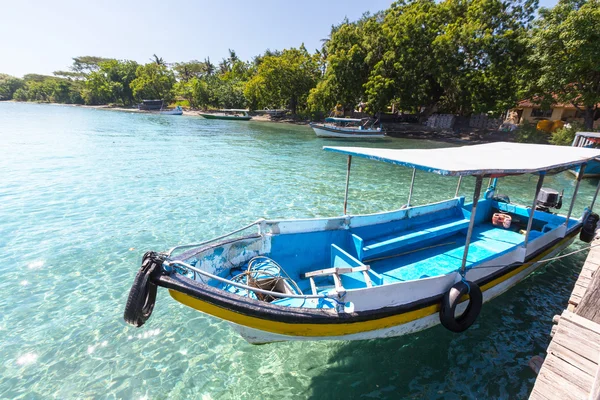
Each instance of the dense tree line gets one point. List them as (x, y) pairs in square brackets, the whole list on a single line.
[(419, 56)]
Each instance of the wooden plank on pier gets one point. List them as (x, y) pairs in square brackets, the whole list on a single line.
[(594, 255), (570, 369), (555, 381), (582, 354), (589, 306), (571, 364), (577, 294)]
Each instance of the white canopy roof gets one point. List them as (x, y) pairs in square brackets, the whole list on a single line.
[(501, 158)]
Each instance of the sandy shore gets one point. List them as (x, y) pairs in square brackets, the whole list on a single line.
[(194, 113)]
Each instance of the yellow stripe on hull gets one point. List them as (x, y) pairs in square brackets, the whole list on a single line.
[(339, 329)]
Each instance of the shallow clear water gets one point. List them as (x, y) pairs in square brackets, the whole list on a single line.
[(84, 193)]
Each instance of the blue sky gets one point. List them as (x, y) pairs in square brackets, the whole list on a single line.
[(42, 36)]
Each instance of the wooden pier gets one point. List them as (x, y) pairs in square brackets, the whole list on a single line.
[(570, 369)]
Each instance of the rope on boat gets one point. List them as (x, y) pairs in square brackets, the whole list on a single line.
[(264, 273), (547, 259)]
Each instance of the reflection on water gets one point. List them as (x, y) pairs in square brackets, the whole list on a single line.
[(86, 192)]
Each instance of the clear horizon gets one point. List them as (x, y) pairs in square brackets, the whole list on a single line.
[(56, 32)]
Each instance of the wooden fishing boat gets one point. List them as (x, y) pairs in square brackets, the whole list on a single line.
[(230, 114), (371, 276), (587, 140), (350, 128)]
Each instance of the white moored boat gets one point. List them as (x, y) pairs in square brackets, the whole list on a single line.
[(176, 111), (350, 128), (355, 277)]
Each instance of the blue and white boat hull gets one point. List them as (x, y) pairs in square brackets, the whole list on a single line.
[(592, 170)]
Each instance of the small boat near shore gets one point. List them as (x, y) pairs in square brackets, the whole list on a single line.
[(354, 277), (176, 111), (587, 140), (229, 114), (351, 128)]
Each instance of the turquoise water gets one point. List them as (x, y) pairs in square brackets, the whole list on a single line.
[(84, 193)]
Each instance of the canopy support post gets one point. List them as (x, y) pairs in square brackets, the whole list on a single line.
[(579, 177), (412, 183), (595, 196), (458, 186), (347, 184), (493, 185), (476, 193), (540, 182)]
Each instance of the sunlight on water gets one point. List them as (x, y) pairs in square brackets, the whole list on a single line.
[(86, 192)]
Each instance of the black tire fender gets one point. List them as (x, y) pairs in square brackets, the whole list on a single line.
[(142, 295), (588, 230), (450, 301)]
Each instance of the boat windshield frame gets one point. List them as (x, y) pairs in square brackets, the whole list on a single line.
[(586, 139), (365, 123)]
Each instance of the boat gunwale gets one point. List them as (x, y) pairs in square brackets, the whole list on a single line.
[(351, 216)]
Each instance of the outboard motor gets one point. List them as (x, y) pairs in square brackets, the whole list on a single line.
[(588, 231), (547, 199)]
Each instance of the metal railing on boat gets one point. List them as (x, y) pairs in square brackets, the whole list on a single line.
[(187, 246)]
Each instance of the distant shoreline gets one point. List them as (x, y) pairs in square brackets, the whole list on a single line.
[(416, 134), (188, 113)]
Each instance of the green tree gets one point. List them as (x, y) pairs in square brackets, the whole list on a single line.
[(200, 92), (226, 92), (20, 95), (84, 65), (210, 67), (351, 52), (284, 80), (565, 52), (99, 89), (458, 56), (565, 135), (9, 85), (185, 71), (153, 81), (111, 83)]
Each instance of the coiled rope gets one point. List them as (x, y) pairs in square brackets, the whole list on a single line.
[(264, 273)]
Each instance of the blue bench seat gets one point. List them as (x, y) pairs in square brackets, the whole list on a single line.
[(400, 240), (488, 242)]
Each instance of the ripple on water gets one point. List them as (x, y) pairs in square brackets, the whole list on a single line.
[(86, 192)]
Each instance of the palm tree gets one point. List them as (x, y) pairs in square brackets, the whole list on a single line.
[(158, 60), (233, 58), (224, 66), (210, 67)]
